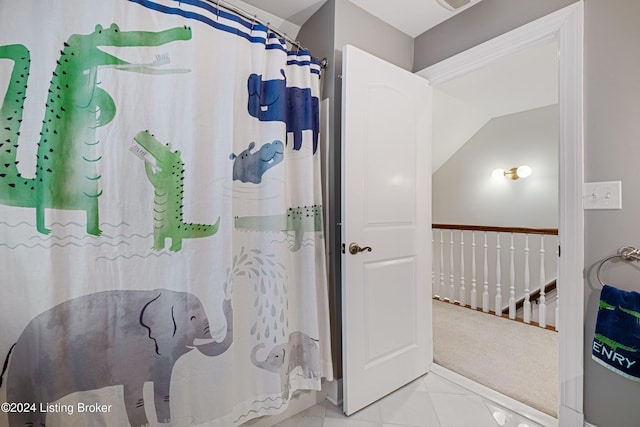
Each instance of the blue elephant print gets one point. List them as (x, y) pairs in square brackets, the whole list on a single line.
[(119, 337), (272, 100), (249, 167)]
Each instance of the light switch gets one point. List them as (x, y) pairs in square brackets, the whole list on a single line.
[(602, 195)]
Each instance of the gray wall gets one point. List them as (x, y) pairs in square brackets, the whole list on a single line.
[(465, 193), (479, 23), (317, 35), (337, 23), (612, 152), (357, 27)]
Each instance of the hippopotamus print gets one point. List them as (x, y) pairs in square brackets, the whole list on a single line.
[(272, 100), (249, 167)]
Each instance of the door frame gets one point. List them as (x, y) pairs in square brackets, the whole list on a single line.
[(566, 26)]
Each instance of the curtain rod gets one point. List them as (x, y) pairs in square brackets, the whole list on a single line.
[(254, 18)]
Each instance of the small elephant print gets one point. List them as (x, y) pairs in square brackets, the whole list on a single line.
[(300, 351)]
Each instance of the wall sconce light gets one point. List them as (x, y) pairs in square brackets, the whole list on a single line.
[(513, 173)]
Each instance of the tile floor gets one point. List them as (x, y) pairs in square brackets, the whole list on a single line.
[(429, 401)]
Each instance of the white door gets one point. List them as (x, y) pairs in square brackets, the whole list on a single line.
[(386, 206)]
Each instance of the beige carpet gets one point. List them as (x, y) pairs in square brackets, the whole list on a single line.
[(515, 359)]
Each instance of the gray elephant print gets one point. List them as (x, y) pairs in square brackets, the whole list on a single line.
[(119, 337), (301, 351)]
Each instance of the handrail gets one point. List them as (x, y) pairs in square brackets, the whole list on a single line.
[(522, 230), (534, 295)]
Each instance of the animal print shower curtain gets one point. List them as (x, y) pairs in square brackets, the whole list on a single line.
[(161, 232)]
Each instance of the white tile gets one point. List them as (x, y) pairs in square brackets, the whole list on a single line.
[(430, 401), (318, 410), (370, 413), (507, 418), (348, 422), (438, 384), (456, 410), (333, 410), (302, 420), (409, 409), (417, 385)]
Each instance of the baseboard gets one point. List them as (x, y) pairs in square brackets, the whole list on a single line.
[(496, 397), (586, 424), (333, 391)]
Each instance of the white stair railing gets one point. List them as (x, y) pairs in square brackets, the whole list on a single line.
[(452, 285), (458, 257), (498, 277), (542, 309), (463, 293), (474, 294), (485, 284), (512, 281), (442, 265), (526, 306)]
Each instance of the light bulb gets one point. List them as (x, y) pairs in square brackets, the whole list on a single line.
[(497, 173), (524, 171)]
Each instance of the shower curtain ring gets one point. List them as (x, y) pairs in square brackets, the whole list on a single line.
[(217, 10), (253, 21)]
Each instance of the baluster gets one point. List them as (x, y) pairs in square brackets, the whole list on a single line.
[(512, 281), (463, 293), (485, 284), (498, 278), (542, 308), (557, 313), (441, 266), (452, 286), (433, 264), (474, 295), (527, 294)]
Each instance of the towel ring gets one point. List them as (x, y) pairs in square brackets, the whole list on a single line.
[(627, 253)]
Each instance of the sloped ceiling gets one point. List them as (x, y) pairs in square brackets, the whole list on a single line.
[(518, 82), (412, 17)]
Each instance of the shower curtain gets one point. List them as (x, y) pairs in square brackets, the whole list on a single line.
[(161, 232)]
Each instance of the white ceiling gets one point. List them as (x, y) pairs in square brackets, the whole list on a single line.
[(518, 82), (295, 11), (412, 17)]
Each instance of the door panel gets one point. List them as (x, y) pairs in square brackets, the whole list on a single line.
[(390, 196), (380, 298), (386, 205)]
